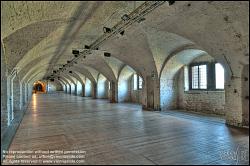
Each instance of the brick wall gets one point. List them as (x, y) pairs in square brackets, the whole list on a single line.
[(201, 101)]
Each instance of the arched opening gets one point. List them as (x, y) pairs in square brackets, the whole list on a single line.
[(130, 86), (39, 87), (79, 88), (88, 88), (192, 80), (102, 87)]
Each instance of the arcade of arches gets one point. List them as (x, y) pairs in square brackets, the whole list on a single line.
[(182, 63)]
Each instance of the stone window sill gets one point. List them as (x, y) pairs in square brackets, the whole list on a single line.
[(203, 91)]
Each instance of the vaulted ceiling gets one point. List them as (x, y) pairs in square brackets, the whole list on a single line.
[(38, 37)]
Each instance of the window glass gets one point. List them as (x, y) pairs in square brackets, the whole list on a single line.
[(135, 81), (203, 76), (199, 77), (140, 83), (195, 77), (219, 76)]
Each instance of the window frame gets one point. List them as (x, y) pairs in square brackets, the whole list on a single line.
[(211, 76), (190, 75), (137, 82)]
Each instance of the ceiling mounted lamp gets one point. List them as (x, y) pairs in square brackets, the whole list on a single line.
[(86, 47), (122, 32), (68, 61), (60, 68), (125, 17), (54, 71), (63, 65), (141, 19), (106, 54), (106, 30), (75, 52), (70, 71), (171, 2)]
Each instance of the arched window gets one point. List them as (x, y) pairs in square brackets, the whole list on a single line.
[(137, 82)]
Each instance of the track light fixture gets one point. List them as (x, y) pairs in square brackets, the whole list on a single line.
[(122, 32), (86, 47), (106, 30), (106, 54), (134, 16), (75, 52), (141, 19), (125, 17), (171, 2)]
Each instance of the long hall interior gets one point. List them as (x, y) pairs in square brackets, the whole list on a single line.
[(125, 82)]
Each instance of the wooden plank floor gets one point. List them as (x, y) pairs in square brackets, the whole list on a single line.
[(124, 134)]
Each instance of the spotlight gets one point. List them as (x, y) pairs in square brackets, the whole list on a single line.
[(54, 71), (171, 2), (122, 32), (141, 19), (75, 52), (52, 79), (63, 65), (106, 30), (60, 68), (87, 47), (84, 56), (125, 17), (106, 54), (70, 71), (68, 61)]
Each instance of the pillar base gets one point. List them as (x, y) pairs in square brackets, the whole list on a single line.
[(150, 109), (234, 123)]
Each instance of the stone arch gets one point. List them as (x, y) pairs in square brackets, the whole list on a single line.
[(168, 84), (124, 84), (102, 86)]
